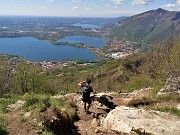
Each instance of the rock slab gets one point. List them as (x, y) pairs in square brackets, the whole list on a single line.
[(126, 120)]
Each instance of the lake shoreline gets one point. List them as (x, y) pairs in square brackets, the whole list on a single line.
[(48, 50), (98, 51)]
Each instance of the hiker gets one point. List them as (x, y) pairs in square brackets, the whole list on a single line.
[(86, 91)]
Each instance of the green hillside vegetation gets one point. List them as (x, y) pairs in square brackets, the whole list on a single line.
[(142, 70), (151, 26), (2, 126)]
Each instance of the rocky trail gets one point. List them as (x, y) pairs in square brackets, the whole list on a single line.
[(106, 120), (91, 124), (109, 115), (88, 124), (85, 125)]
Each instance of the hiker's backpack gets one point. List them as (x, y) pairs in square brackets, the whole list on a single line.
[(85, 91)]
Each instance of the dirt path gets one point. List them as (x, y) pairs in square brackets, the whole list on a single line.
[(16, 125), (86, 124)]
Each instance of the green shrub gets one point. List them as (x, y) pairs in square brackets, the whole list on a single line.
[(31, 100), (58, 103), (47, 133), (2, 127), (39, 103), (5, 102), (36, 101)]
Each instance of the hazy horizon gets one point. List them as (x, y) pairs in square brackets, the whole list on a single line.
[(98, 17), (83, 8)]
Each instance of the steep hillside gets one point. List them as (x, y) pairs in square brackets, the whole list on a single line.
[(150, 26)]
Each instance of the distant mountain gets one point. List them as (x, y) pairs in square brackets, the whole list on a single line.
[(118, 19), (150, 26)]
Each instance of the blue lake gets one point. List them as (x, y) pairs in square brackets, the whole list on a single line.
[(41, 50), (92, 41), (87, 26)]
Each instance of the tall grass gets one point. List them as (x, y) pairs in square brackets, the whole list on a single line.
[(5, 102), (166, 98), (36, 101), (169, 109)]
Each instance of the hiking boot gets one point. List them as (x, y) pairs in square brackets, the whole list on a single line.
[(85, 111), (88, 112)]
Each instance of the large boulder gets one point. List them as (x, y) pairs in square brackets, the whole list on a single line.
[(172, 86), (105, 99), (127, 120)]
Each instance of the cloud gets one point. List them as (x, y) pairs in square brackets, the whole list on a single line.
[(106, 5), (168, 6), (76, 1), (117, 1), (142, 2), (74, 8), (178, 2)]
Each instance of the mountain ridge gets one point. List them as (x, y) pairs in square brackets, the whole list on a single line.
[(150, 26)]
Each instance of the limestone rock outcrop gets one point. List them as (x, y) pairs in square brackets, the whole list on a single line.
[(172, 86), (127, 120), (16, 105)]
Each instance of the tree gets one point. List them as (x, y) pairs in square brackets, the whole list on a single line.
[(174, 61), (5, 78), (29, 78)]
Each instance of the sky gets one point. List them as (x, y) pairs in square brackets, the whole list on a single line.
[(84, 8)]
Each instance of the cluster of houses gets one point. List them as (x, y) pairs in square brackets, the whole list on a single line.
[(48, 65), (120, 48)]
